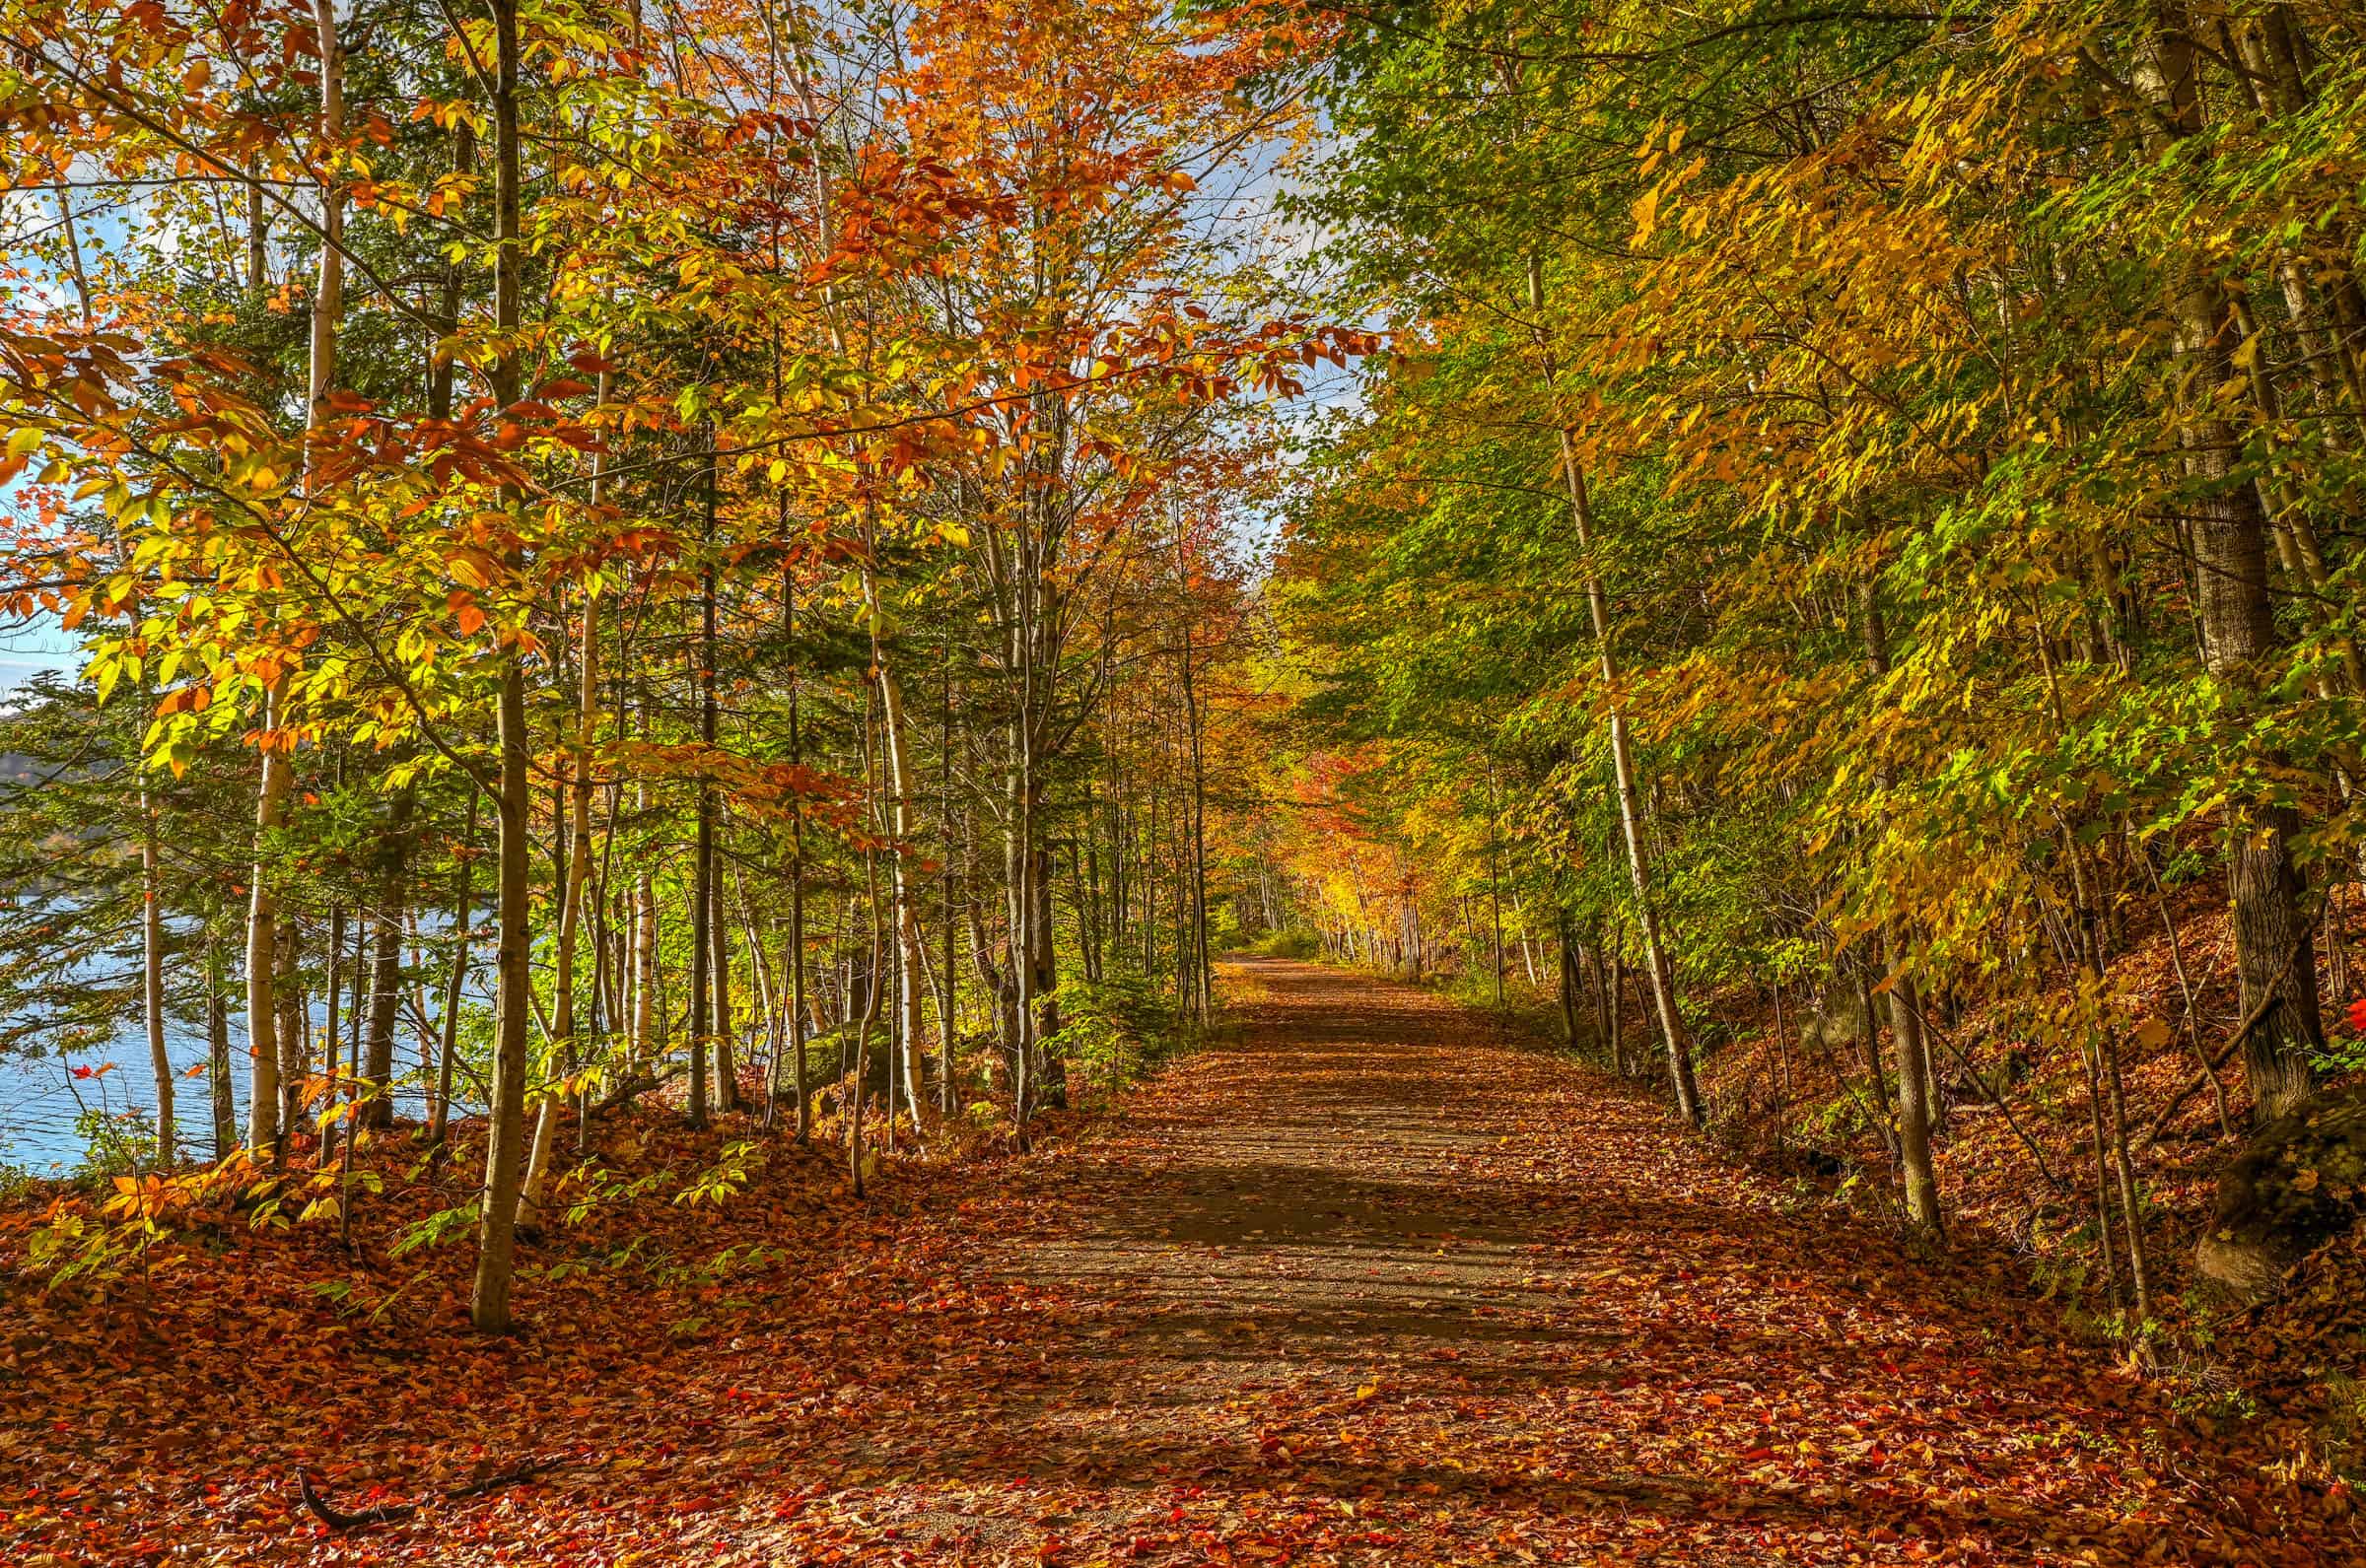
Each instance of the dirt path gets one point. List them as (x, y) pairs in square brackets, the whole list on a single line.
[(1368, 1287), (1365, 1286)]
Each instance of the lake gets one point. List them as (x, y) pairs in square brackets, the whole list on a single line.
[(41, 1097)]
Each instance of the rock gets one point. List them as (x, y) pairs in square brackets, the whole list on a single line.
[(2300, 1181), (1837, 1024)]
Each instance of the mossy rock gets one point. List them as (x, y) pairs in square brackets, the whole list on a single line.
[(2300, 1181), (1836, 1025)]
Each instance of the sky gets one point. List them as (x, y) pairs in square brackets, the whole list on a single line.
[(34, 643), (28, 650)]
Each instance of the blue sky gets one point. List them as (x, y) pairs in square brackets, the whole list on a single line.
[(27, 649), (31, 645)]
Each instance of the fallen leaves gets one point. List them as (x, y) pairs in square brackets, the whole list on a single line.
[(1528, 1322)]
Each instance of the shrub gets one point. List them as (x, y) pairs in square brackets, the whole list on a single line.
[(116, 1143), (1115, 1029), (1299, 943)]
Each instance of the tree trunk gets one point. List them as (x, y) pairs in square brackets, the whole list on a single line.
[(2238, 637), (571, 896), (871, 1014), (905, 1031), (702, 890), (1045, 964), (1913, 1088), (1020, 873), (439, 1111), (1639, 862), (1614, 1005), (1494, 900), (505, 1140), (1906, 1014), (796, 924), (332, 987), (1567, 977), (1202, 998), (217, 1052), (1869, 1038), (946, 1029), (287, 990), (727, 1055), (386, 971), (152, 975), (645, 1043)]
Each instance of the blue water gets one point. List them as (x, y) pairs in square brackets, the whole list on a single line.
[(40, 1098)]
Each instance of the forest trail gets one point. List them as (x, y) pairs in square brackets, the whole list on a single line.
[(1371, 1285), (1362, 1285)]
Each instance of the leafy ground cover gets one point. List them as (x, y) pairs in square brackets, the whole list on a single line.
[(1366, 1283)]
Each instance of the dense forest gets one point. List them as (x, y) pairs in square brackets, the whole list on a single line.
[(1878, 485), (825, 714)]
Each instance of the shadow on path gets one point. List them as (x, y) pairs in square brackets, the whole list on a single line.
[(1371, 1285)]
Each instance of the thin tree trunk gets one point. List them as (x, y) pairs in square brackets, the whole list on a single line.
[(2132, 1207), (1869, 1037), (1639, 862), (1615, 1007), (1495, 896), (797, 907), (1053, 1069), (294, 1014), (1202, 994), (1913, 1094), (531, 1188), (946, 1022), (152, 977), (905, 1029), (2103, 1181), (489, 1304), (264, 1101), (727, 1055), (386, 974), (439, 1111), (646, 1045), (1914, 1167), (217, 1052), (332, 985), (703, 865), (871, 1014), (1567, 978)]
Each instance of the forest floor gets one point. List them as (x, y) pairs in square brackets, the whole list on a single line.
[(1368, 1284)]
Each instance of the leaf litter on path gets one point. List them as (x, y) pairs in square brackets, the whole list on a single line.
[(1363, 1286)]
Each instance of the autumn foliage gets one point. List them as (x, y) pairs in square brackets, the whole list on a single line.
[(692, 628)]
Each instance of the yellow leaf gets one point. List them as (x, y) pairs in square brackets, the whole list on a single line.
[(1646, 214)]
